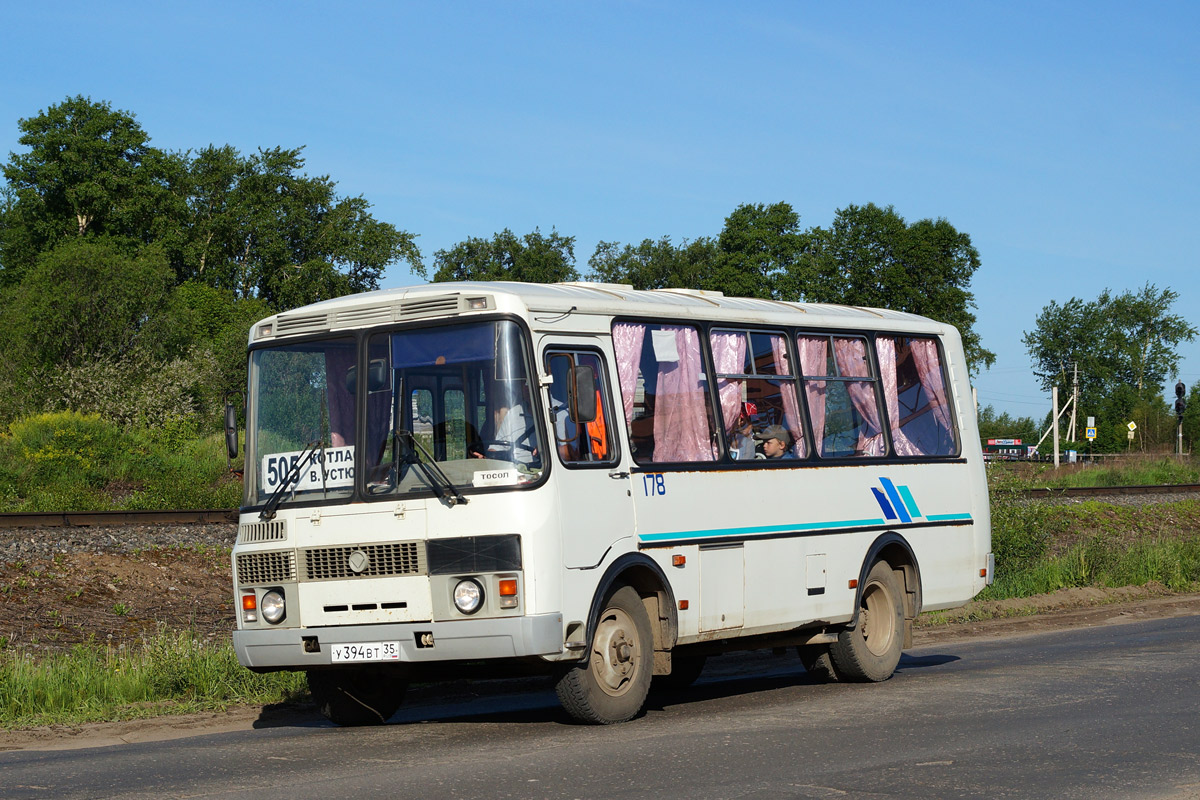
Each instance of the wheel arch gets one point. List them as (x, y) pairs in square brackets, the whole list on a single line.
[(894, 549), (648, 580)]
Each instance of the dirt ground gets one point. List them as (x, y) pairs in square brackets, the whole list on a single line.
[(117, 598)]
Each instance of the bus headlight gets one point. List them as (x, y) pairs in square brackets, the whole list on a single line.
[(271, 606), (468, 596)]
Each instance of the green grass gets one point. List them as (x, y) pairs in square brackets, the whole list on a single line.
[(76, 462), (174, 672), (1041, 548), (1132, 471)]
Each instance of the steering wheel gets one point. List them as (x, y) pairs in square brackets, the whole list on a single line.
[(484, 447)]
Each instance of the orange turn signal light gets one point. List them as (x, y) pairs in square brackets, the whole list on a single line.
[(854, 583), (508, 587), (683, 605), (249, 602), (678, 561)]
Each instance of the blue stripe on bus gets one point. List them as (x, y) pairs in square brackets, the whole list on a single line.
[(884, 504), (890, 488), (801, 526), (909, 501)]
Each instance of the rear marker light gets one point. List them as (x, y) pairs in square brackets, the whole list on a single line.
[(983, 572)]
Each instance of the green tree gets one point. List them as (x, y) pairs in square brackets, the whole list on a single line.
[(258, 227), (654, 264), (1125, 347), (533, 258), (89, 171), (870, 256), (993, 425), (760, 252)]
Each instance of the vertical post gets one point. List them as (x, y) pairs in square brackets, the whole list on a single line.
[(1179, 438), (1072, 434), (1054, 400)]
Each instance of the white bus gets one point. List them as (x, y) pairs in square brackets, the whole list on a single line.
[(599, 483)]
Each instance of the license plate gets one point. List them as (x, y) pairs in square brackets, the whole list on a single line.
[(366, 651)]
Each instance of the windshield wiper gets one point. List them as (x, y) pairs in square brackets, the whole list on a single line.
[(444, 487), (268, 510)]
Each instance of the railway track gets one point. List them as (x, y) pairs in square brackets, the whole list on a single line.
[(84, 519)]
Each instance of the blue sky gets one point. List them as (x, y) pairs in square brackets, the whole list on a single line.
[(1061, 136)]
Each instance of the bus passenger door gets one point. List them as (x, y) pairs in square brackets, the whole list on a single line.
[(595, 508)]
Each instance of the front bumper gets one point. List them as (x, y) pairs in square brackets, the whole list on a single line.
[(458, 640)]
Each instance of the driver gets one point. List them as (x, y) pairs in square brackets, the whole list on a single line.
[(511, 429)]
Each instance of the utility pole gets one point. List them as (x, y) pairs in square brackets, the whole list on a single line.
[(1180, 407), (1074, 404), (1054, 400)]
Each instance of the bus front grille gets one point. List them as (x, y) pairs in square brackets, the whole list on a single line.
[(255, 569), (363, 561)]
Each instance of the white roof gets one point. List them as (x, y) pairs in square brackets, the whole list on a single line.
[(607, 299)]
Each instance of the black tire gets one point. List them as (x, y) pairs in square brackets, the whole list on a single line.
[(685, 670), (611, 685), (871, 649), (357, 695), (817, 662)]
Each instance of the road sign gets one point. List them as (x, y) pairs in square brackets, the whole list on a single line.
[(1132, 427), (1090, 433), (1091, 422)]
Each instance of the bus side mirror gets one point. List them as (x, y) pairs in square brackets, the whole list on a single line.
[(231, 431), (581, 393)]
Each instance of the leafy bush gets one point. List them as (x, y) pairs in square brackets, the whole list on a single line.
[(66, 461)]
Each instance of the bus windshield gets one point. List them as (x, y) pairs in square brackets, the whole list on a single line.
[(447, 409)]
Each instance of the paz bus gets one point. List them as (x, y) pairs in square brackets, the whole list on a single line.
[(598, 483)]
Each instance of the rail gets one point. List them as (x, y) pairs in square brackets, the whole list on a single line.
[(85, 519)]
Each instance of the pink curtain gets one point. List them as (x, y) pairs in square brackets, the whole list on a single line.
[(885, 348), (813, 355), (929, 372), (627, 346), (851, 355), (341, 403), (681, 426), (729, 357), (791, 406)]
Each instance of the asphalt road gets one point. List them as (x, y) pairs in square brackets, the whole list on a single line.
[(1108, 711)]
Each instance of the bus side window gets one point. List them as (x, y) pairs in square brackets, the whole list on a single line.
[(668, 410), (579, 440)]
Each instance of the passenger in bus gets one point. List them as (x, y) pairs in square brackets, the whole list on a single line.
[(741, 438), (776, 442)]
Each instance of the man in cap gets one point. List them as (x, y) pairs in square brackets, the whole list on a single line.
[(776, 442)]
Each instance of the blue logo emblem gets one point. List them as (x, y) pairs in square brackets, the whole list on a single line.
[(896, 501)]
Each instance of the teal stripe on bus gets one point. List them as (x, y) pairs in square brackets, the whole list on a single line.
[(800, 526)]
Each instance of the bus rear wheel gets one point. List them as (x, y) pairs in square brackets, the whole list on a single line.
[(357, 695), (611, 685), (871, 649)]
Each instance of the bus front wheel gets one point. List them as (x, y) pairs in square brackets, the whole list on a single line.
[(871, 649), (611, 685), (357, 695)]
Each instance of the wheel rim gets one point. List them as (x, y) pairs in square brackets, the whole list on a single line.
[(616, 652), (877, 618)]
